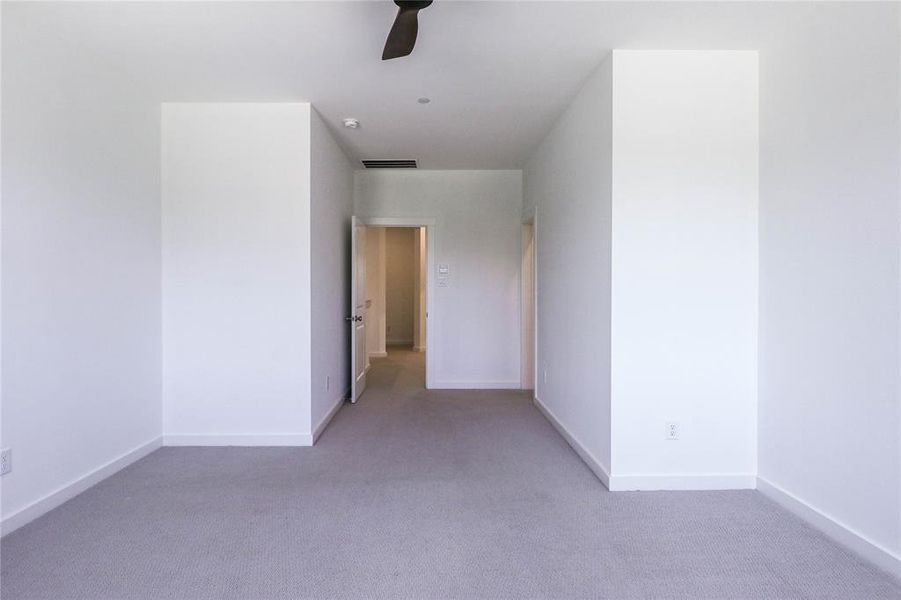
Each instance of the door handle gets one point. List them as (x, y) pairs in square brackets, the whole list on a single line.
[(353, 318)]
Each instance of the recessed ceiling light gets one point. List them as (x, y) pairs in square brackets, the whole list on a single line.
[(423, 100), (351, 123)]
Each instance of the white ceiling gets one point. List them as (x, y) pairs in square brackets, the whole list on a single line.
[(498, 73)]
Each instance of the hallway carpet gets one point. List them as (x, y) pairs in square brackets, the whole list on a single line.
[(417, 494)]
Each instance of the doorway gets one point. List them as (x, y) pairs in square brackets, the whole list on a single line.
[(393, 296), (527, 295), (404, 301)]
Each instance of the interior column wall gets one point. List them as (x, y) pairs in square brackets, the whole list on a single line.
[(684, 276), (645, 207), (236, 274)]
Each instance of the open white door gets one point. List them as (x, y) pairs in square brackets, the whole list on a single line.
[(357, 309)]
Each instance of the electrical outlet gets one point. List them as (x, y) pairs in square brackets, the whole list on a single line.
[(6, 461), (328, 382), (672, 430), (545, 375)]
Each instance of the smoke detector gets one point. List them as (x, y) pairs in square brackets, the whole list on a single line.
[(351, 123)]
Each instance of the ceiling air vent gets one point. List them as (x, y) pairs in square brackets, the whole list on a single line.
[(389, 164)]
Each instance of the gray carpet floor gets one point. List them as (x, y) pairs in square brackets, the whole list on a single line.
[(417, 494)]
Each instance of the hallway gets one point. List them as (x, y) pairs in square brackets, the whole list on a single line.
[(417, 494)]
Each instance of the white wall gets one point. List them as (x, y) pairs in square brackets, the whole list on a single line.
[(375, 292), (331, 181), (830, 414), (80, 266), (236, 273), (684, 278), (568, 179), (475, 319), (645, 200), (400, 282)]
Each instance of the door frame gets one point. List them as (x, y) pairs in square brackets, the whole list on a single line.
[(532, 223), (430, 305), (535, 294), (527, 298)]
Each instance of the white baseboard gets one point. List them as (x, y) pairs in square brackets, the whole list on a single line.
[(339, 402), (683, 482), (238, 439), (593, 463), (378, 354), (622, 483), (73, 488), (853, 540), (475, 385)]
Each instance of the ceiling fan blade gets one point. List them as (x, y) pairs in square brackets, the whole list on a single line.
[(402, 36)]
